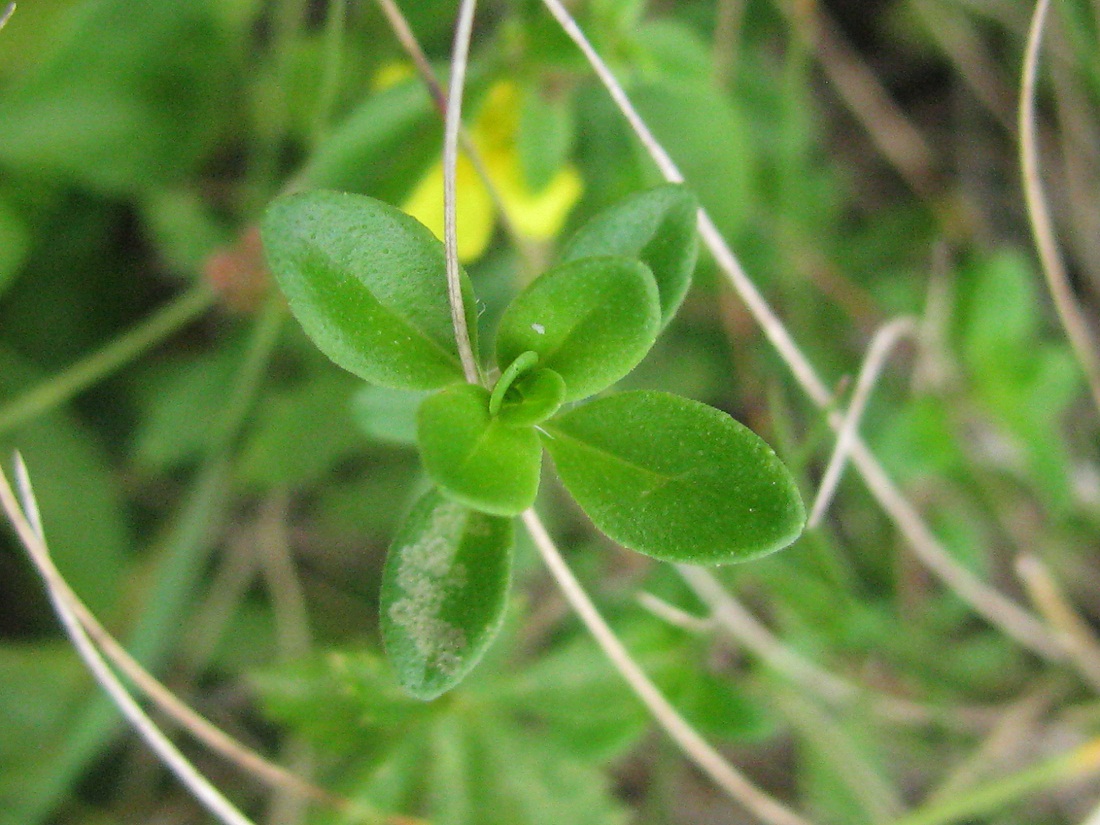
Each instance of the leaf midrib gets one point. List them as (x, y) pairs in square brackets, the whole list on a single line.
[(663, 478), (342, 272)]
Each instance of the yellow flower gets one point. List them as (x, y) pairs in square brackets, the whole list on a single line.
[(538, 215)]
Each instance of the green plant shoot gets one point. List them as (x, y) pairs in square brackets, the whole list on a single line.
[(666, 476)]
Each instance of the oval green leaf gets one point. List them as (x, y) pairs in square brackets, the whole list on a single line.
[(675, 479), (656, 226), (368, 285), (475, 458), (444, 591), (532, 399), (591, 321), (386, 415)]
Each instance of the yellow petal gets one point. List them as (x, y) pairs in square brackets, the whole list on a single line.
[(474, 208), (537, 215), (497, 122)]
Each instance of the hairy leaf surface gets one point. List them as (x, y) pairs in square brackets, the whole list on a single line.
[(591, 321), (475, 458), (368, 285), (675, 479), (444, 590), (658, 227)]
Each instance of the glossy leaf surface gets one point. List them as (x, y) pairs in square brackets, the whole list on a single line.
[(444, 590), (368, 285), (475, 458), (658, 227), (675, 479), (591, 321)]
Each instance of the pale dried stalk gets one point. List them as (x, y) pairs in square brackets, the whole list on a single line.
[(877, 353), (407, 40), (27, 524), (451, 124), (1076, 635), (165, 701), (734, 618), (293, 640), (6, 14), (974, 64), (1014, 731), (735, 784), (1094, 817), (1073, 321), (864, 780), (1000, 611), (729, 17), (673, 615)]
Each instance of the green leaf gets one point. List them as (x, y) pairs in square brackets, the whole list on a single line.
[(382, 148), (133, 95), (658, 227), (301, 432), (78, 491), (534, 397), (368, 285), (444, 590), (475, 458), (336, 700), (591, 321), (42, 681), (707, 136), (386, 415), (545, 137), (15, 243), (675, 479)]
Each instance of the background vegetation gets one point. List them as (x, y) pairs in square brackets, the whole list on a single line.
[(222, 497)]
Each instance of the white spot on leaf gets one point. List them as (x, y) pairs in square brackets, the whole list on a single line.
[(428, 574)]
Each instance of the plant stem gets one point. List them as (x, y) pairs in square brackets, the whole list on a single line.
[(991, 797), (184, 557), (35, 542), (1073, 321), (999, 610), (735, 784), (101, 363), (877, 353), (451, 125)]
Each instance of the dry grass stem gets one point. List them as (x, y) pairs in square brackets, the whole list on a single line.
[(881, 346), (975, 65), (1000, 611), (673, 615), (1042, 228), (729, 17), (407, 40), (851, 767), (165, 701), (451, 125), (28, 525), (727, 777), (293, 639), (1075, 633), (732, 617), (1014, 731)]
